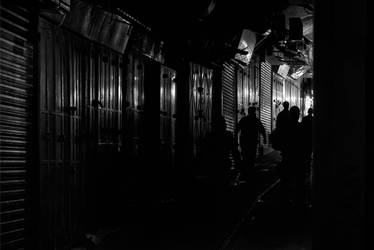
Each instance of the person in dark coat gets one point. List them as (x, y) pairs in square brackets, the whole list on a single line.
[(283, 117), (249, 128), (293, 172), (282, 124), (307, 128), (306, 124)]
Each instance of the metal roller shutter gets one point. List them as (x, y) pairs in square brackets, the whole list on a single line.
[(80, 129), (16, 87), (265, 96), (277, 96), (201, 80), (134, 112), (229, 95), (167, 114), (61, 129)]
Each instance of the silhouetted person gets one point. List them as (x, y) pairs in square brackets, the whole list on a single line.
[(249, 128), (282, 123), (283, 116), (293, 172), (307, 129), (306, 124)]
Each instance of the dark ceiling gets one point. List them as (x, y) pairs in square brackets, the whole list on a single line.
[(178, 17), (210, 29)]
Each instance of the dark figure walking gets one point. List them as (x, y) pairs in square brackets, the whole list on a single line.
[(307, 129), (293, 172), (306, 124), (249, 128)]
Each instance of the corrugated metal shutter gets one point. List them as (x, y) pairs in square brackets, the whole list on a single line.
[(168, 110), (16, 86), (134, 112), (62, 59), (265, 96), (201, 80), (229, 96), (80, 128), (167, 115), (244, 90)]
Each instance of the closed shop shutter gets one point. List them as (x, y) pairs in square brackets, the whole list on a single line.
[(167, 115), (62, 59), (16, 87), (243, 92), (277, 96), (134, 112), (229, 95), (201, 80), (80, 133), (167, 129), (265, 96)]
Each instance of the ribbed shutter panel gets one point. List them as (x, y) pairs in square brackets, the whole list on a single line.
[(265, 96), (229, 95), (16, 62)]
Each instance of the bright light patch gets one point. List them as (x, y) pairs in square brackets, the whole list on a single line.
[(308, 104), (247, 44), (300, 72)]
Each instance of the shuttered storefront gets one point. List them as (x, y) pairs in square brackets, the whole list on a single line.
[(200, 100), (265, 96), (80, 133), (244, 90), (167, 115), (292, 92), (254, 82), (105, 104), (134, 112), (16, 88), (61, 130), (229, 95)]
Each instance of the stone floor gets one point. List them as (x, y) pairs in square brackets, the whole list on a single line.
[(248, 216)]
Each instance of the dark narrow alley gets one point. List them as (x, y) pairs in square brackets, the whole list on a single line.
[(196, 124)]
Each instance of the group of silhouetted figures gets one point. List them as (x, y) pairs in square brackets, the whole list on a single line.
[(295, 143), (291, 137)]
